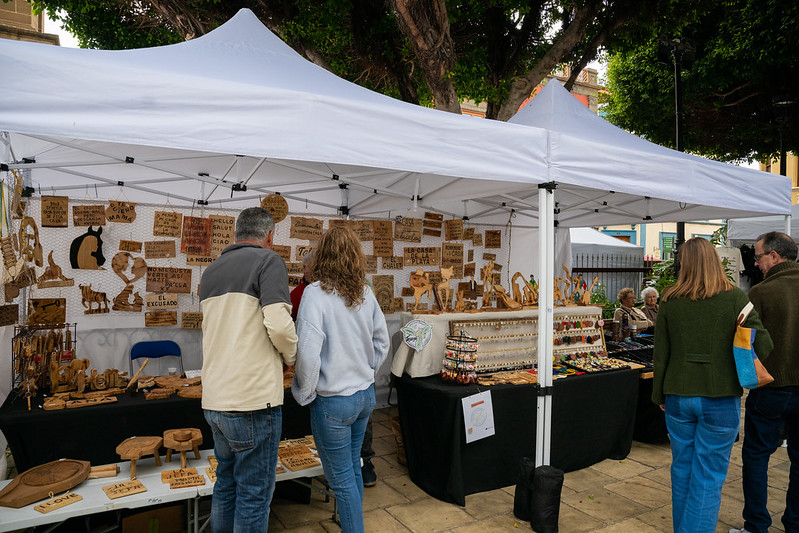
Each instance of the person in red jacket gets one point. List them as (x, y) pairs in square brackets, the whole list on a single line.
[(296, 293)]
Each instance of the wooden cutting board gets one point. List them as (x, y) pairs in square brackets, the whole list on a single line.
[(41, 481)]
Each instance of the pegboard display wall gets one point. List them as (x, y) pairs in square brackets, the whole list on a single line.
[(58, 240)]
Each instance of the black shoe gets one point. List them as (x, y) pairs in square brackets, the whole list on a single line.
[(368, 474)]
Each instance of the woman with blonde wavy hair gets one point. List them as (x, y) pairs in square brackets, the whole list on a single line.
[(342, 341), (696, 384)]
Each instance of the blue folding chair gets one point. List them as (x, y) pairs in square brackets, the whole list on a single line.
[(155, 350)]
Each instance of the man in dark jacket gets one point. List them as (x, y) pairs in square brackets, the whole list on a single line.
[(768, 408)]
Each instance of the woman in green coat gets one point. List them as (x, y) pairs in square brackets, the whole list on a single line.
[(696, 383)]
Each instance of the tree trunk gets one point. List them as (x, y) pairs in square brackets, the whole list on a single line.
[(522, 86), (426, 26)]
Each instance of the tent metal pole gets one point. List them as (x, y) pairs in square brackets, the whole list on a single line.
[(787, 224), (544, 352)]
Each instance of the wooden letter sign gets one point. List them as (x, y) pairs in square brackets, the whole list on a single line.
[(493, 238), (276, 205), (167, 224), (88, 215), (9, 314), (54, 211), (419, 256), (306, 228), (303, 250), (158, 302), (196, 236), (160, 318), (223, 231), (47, 311), (453, 229), (124, 212), (191, 320), (392, 263), (118, 490), (383, 243), (168, 279), (131, 246), (384, 291), (283, 251), (408, 230), (159, 249)]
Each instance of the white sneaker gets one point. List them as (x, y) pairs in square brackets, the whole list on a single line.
[(742, 530), (784, 443)]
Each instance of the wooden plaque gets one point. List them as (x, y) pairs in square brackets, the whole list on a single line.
[(470, 256), (58, 502), (309, 229), (168, 475), (431, 232), (43, 311), (408, 230), (168, 279), (201, 260), (295, 281), (493, 238), (223, 233), (384, 291), (167, 224), (383, 240), (453, 229), (371, 264), (489, 257), (196, 236), (477, 239), (131, 246), (396, 304), (393, 263), (468, 234), (9, 314), (468, 270), (407, 291), (429, 215), (452, 256), (55, 212), (118, 490), (124, 212), (295, 267), (434, 224), (160, 318), (191, 320), (190, 480), (88, 215), (283, 251), (159, 249), (421, 256), (161, 301), (302, 251), (277, 206)]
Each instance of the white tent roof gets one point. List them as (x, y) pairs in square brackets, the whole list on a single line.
[(590, 241), (170, 121), (749, 229), (635, 177)]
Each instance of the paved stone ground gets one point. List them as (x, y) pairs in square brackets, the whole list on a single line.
[(632, 495)]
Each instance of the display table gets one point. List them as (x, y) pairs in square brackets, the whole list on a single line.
[(592, 415), (93, 433), (96, 501), (427, 361)]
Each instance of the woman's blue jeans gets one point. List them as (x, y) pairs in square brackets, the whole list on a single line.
[(702, 432), (245, 447), (338, 424)]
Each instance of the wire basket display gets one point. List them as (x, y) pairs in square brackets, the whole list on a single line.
[(460, 359)]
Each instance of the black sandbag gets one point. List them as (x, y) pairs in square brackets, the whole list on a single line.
[(524, 489), (545, 501)]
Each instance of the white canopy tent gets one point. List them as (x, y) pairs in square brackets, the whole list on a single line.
[(199, 121), (746, 230)]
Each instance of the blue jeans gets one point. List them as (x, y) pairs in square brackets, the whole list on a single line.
[(338, 424), (767, 410), (702, 432), (245, 446)]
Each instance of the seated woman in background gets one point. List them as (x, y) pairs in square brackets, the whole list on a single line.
[(650, 308), (635, 317)]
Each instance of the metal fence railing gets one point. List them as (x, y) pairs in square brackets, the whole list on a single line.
[(615, 271)]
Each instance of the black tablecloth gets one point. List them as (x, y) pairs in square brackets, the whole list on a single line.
[(93, 433), (593, 417)]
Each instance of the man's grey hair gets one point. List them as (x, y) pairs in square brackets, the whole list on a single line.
[(783, 244), (254, 224), (648, 290), (306, 259)]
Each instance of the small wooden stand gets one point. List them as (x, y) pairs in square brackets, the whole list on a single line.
[(135, 448), (182, 440)]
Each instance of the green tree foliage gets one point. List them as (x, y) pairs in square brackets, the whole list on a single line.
[(745, 58), (431, 52)]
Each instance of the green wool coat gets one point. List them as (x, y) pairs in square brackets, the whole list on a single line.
[(776, 300), (693, 346)]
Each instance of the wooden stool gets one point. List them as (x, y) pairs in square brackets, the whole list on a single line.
[(135, 448), (182, 440)]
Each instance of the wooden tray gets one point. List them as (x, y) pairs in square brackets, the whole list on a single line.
[(41, 481)]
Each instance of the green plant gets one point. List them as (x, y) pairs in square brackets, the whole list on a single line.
[(599, 298), (663, 275)]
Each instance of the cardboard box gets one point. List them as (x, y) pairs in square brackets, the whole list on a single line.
[(159, 520)]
